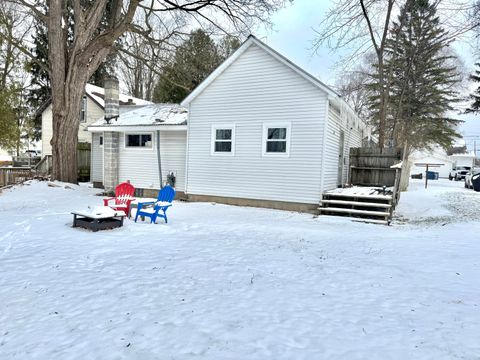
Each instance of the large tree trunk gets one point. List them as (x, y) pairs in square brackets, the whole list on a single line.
[(64, 143), (66, 122)]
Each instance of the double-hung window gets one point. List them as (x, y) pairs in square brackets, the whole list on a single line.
[(223, 140), (83, 111), (138, 140), (276, 139)]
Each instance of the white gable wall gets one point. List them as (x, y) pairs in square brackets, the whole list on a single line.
[(254, 90), (94, 112)]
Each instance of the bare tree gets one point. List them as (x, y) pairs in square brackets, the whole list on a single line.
[(364, 25), (367, 23), (355, 85), (98, 26)]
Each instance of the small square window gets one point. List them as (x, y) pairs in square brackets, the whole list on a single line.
[(223, 139), (139, 140)]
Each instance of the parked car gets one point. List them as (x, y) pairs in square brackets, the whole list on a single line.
[(468, 178), (32, 153), (459, 173)]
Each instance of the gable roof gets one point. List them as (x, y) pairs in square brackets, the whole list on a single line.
[(97, 94), (251, 40)]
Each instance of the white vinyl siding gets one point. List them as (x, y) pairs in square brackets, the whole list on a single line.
[(353, 131), (258, 89), (47, 131), (140, 165), (96, 165)]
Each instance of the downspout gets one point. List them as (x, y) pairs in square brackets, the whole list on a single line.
[(186, 150), (159, 160), (325, 130)]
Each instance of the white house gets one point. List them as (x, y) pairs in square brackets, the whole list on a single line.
[(93, 107), (261, 131), (434, 156)]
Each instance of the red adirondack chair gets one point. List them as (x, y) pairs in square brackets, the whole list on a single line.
[(124, 195)]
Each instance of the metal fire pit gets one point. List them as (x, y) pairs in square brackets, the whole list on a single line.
[(99, 219)]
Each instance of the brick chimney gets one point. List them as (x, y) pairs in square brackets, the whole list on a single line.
[(111, 138)]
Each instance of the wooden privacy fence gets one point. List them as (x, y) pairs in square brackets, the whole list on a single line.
[(44, 167), (14, 175), (372, 167), (83, 160), (26, 161)]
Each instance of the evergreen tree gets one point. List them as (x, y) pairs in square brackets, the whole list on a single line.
[(192, 62), (39, 89), (8, 121), (475, 107), (423, 81)]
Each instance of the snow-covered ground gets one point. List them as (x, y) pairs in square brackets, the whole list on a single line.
[(224, 282)]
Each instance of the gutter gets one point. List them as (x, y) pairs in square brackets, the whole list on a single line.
[(127, 128)]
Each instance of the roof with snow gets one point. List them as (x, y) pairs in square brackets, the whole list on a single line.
[(97, 94), (155, 114)]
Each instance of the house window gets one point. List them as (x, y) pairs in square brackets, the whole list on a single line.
[(138, 140), (83, 111), (100, 141), (276, 139), (223, 139)]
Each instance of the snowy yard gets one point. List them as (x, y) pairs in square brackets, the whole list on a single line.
[(224, 282)]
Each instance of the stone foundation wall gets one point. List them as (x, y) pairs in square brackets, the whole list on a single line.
[(270, 204)]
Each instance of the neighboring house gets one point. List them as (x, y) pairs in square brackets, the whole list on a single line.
[(434, 156), (93, 107), (261, 131), (467, 159), (5, 156)]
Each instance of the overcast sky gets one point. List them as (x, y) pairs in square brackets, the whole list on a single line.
[(293, 34)]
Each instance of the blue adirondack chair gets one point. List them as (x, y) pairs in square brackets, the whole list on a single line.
[(164, 201)]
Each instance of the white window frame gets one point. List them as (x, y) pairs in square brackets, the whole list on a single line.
[(270, 125), (83, 110), (138, 148), (213, 139), (102, 142)]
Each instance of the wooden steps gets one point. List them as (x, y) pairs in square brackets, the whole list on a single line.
[(357, 203), (376, 209), (354, 211)]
